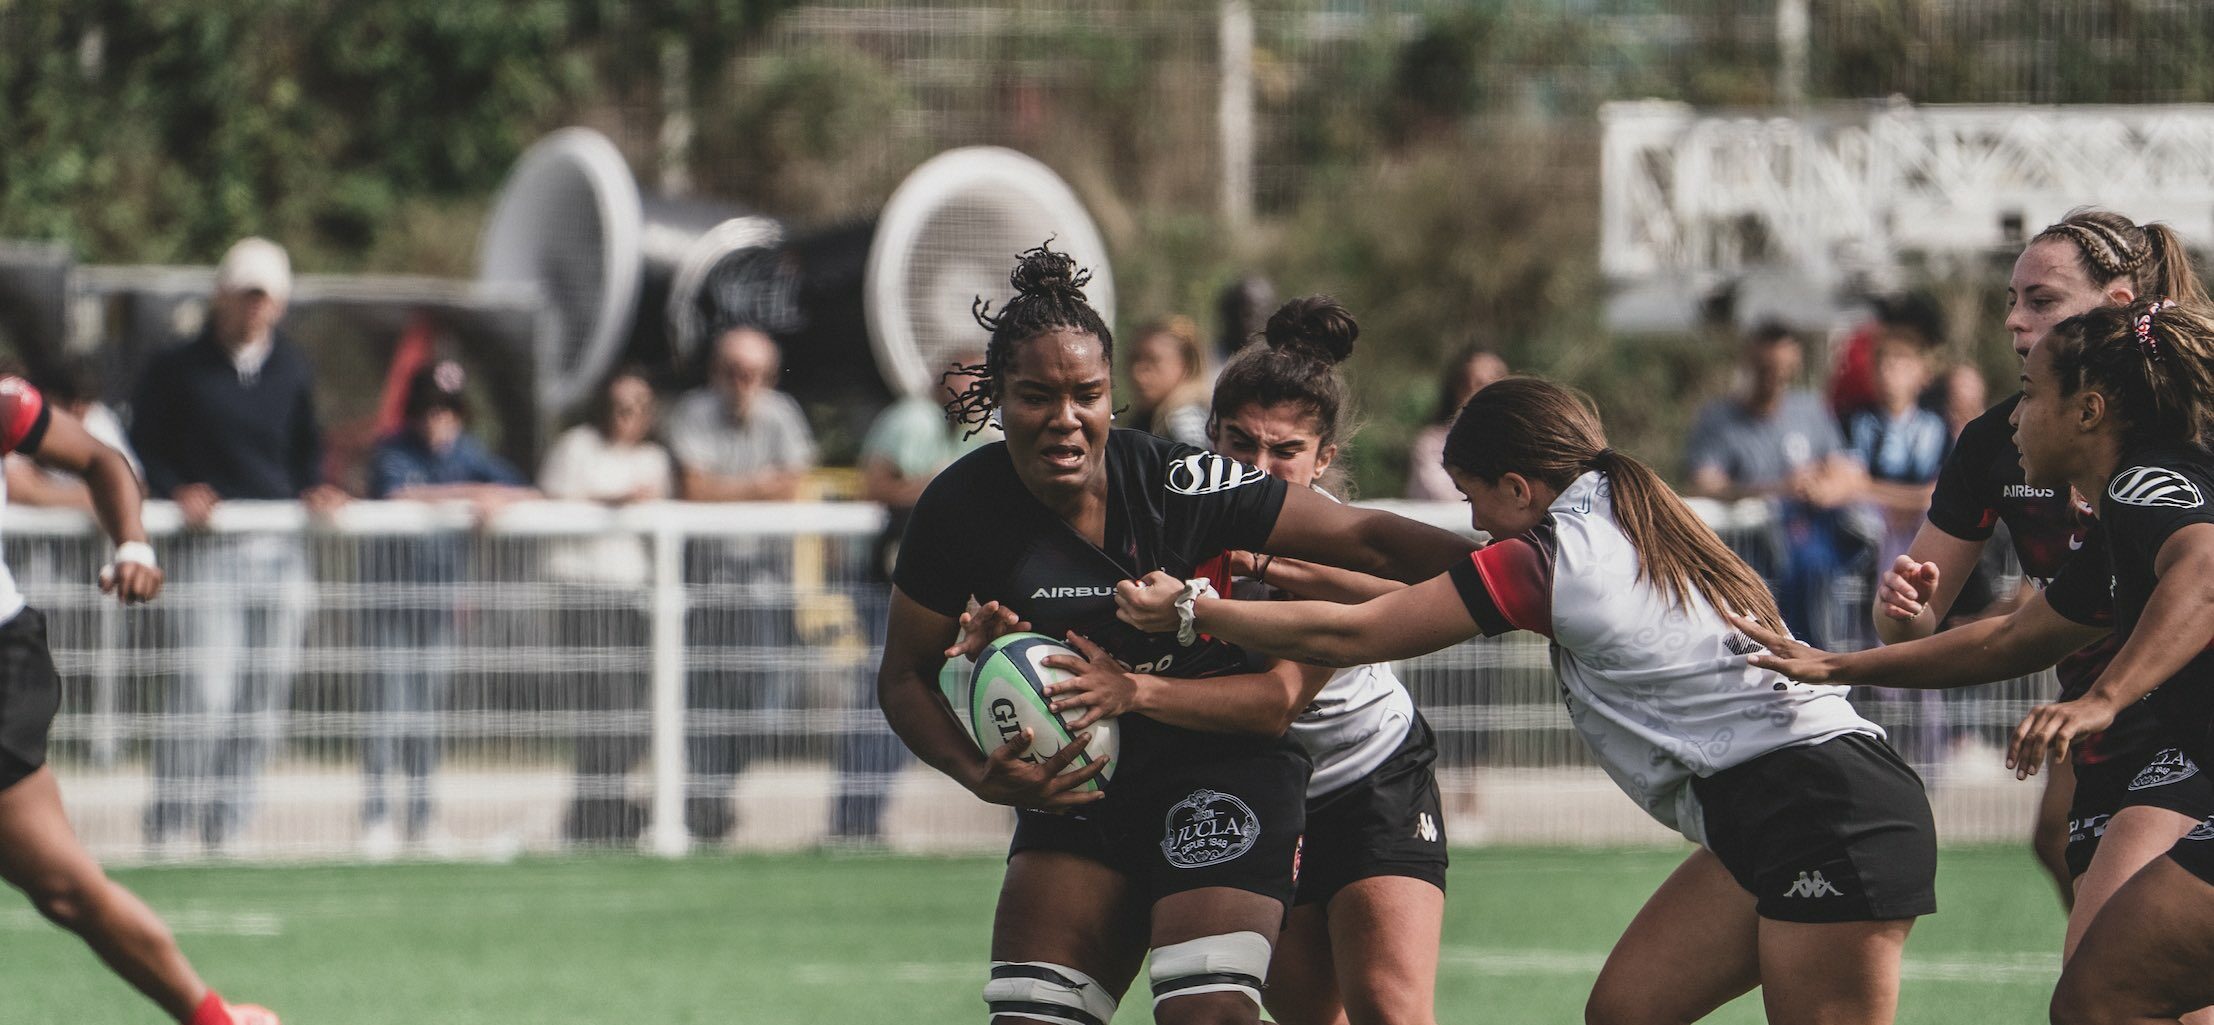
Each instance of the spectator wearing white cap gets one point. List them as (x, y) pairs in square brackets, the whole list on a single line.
[(230, 414)]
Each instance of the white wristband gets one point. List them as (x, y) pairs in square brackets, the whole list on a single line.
[(1187, 629), (129, 551)]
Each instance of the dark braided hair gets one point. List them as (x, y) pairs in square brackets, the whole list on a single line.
[(1049, 294), (2151, 256), (2152, 359)]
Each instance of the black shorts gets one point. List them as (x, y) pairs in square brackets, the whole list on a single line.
[(2165, 778), (30, 694), (2195, 852), (1206, 810), (1387, 823), (1838, 831)]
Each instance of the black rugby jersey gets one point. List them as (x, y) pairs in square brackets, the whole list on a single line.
[(978, 531), (1980, 486), (2158, 491)]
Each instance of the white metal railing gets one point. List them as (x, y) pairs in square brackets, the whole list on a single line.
[(568, 674)]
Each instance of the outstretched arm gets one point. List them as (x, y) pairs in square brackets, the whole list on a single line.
[(1914, 595), (1406, 623), (2033, 637), (1372, 541), (2177, 625)]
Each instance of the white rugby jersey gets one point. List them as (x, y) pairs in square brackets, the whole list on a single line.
[(23, 420), (1661, 692)]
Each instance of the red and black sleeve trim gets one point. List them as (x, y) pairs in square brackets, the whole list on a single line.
[(1508, 584), (23, 416)]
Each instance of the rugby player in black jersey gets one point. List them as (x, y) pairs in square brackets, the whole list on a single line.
[(1192, 850), (39, 851), (2115, 403), (2124, 797)]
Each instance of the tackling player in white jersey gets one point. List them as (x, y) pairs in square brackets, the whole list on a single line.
[(1817, 850), (39, 852)]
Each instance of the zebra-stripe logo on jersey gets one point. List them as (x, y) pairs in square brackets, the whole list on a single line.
[(1204, 473), (2155, 486)]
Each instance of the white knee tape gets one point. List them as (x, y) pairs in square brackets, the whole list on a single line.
[(1047, 992), (1229, 963)]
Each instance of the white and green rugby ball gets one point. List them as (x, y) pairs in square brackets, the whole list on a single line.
[(1006, 692)]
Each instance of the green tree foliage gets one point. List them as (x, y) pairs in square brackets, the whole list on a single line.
[(153, 130)]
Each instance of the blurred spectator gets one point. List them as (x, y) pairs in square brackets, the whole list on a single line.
[(737, 440), (1913, 318), (907, 445), (76, 391), (1962, 396), (432, 458), (1169, 375), (1241, 311), (1464, 377), (602, 604), (230, 414), (1771, 441), (1900, 444)]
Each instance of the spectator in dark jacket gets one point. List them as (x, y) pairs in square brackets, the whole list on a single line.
[(230, 415), (431, 459)]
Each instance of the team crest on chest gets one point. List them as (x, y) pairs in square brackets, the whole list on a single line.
[(2155, 486), (1205, 473), (1208, 828)]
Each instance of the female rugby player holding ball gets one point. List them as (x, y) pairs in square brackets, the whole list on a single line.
[(2124, 796), (1361, 943), (39, 852), (2115, 402), (1192, 850), (1816, 851)]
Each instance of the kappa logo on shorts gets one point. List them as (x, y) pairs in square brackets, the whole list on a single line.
[(1204, 473), (2204, 831), (1426, 828), (2169, 766), (1208, 828), (1811, 884), (2155, 486)]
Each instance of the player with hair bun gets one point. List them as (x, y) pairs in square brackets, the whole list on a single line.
[(1361, 942), (2116, 402), (39, 851), (1193, 850), (2124, 796), (1816, 849)]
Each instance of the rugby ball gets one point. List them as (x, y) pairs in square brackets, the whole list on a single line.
[(1007, 693)]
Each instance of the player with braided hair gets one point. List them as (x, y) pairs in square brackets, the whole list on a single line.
[(1193, 849), (2116, 402), (2124, 796)]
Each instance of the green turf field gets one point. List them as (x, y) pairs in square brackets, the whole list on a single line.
[(804, 939)]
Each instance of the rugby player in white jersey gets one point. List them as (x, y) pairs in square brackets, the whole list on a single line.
[(1816, 848), (39, 852)]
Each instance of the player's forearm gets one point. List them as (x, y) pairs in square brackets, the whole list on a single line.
[(1325, 583), (922, 721), (1318, 633), (2177, 625), (1400, 549), (115, 496), (1256, 703), (1891, 630), (1981, 652)]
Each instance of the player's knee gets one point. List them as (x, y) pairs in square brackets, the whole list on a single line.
[(1039, 991), (1389, 1001), (64, 900), (1213, 980)]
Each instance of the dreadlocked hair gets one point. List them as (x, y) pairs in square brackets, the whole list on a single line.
[(2153, 360), (1049, 294), (1551, 434), (1306, 340), (2152, 256)]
